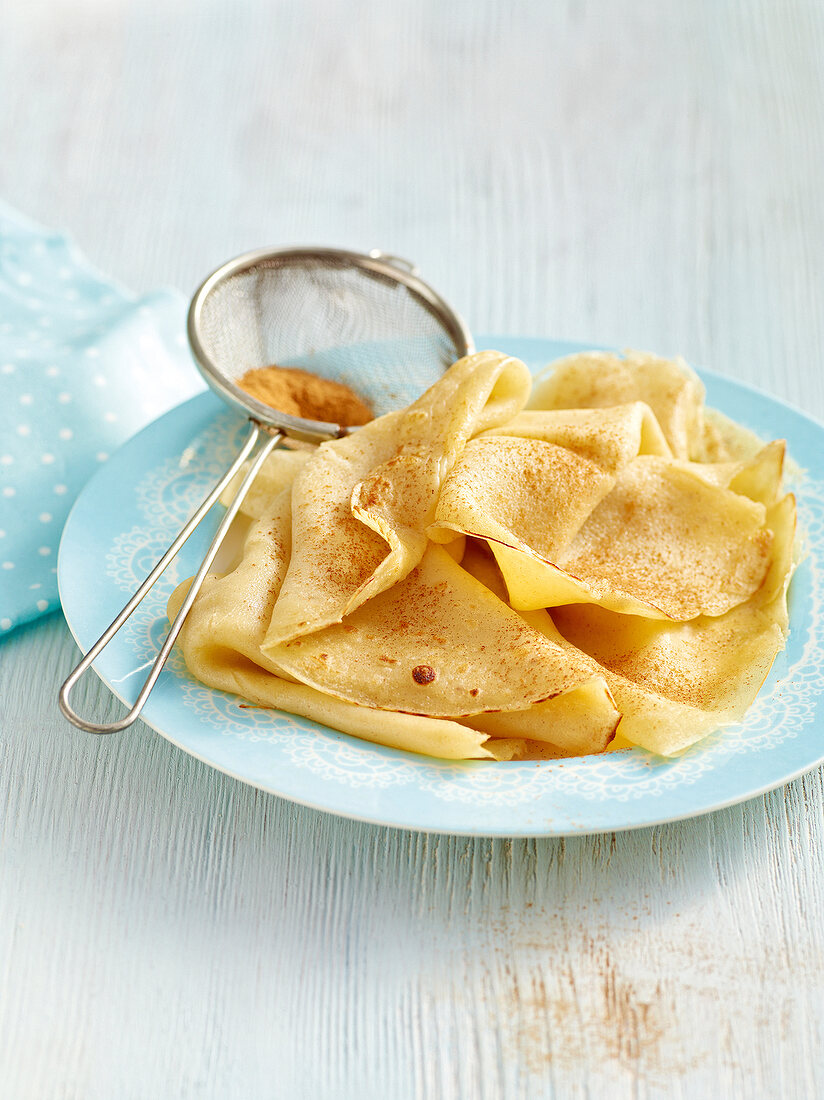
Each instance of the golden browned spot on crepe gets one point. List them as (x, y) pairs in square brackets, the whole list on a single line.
[(424, 674)]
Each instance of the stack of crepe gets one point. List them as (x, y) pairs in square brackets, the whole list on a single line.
[(512, 570)]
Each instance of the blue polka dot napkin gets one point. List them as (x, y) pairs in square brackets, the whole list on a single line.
[(83, 365)]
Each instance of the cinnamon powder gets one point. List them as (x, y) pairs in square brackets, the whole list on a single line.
[(299, 393)]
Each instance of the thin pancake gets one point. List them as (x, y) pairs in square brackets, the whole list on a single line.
[(666, 538), (598, 379), (676, 682), (437, 643), (522, 492), (662, 534), (758, 478), (656, 541), (608, 437), (361, 504), (221, 644), (579, 722)]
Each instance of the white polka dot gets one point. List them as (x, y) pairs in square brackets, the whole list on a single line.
[(23, 353), (8, 565), (26, 399), (8, 368), (38, 248), (52, 372), (35, 586), (47, 459), (24, 278), (9, 491), (99, 380), (45, 517), (5, 624), (65, 433), (72, 295), (53, 569), (6, 460), (64, 273), (101, 456), (2, 534), (109, 417), (42, 605), (61, 489), (44, 551), (93, 353), (23, 429), (180, 340), (44, 322), (64, 398)]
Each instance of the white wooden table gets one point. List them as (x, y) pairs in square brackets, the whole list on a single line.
[(635, 174)]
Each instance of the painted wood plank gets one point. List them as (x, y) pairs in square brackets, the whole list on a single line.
[(630, 174)]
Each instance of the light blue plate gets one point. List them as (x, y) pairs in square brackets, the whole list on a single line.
[(130, 510)]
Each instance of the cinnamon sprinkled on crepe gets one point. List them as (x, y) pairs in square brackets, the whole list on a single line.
[(469, 578)]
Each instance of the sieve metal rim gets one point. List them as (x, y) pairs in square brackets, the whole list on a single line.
[(381, 263)]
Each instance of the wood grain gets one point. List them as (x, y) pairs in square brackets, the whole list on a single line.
[(634, 174)]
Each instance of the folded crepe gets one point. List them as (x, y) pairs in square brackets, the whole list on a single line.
[(653, 540), (469, 579), (676, 682), (437, 647), (608, 437), (673, 392), (361, 504), (221, 641)]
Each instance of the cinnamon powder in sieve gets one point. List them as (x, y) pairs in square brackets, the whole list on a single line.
[(299, 393)]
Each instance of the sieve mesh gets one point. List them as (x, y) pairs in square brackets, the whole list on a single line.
[(330, 314)]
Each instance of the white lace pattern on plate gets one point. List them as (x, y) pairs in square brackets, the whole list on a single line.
[(168, 493)]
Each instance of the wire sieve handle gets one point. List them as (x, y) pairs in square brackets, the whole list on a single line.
[(396, 261), (271, 441)]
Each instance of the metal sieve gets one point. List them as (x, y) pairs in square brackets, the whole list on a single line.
[(367, 320)]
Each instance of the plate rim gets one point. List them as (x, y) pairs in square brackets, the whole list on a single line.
[(472, 830), (736, 800)]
